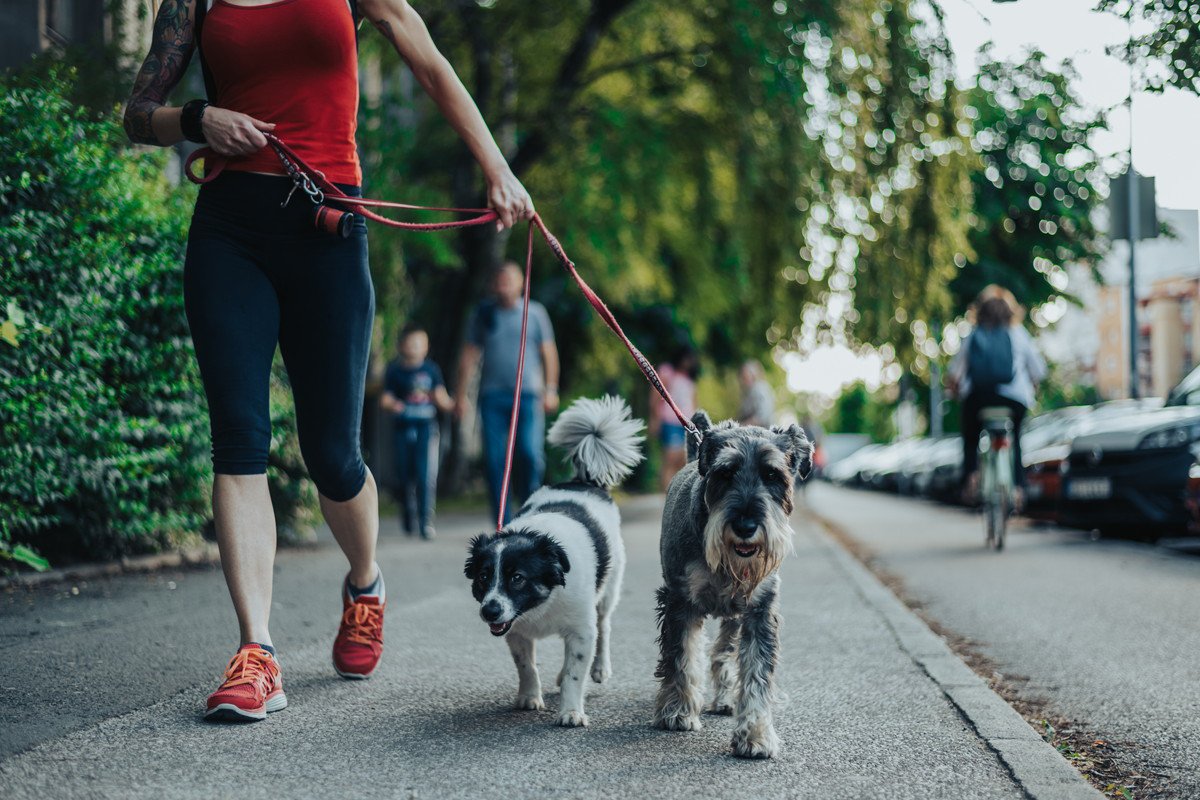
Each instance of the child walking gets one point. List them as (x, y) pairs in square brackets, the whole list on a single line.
[(414, 393)]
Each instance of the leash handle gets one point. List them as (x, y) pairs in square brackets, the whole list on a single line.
[(516, 406)]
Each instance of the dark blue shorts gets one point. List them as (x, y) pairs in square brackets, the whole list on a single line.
[(672, 436), (259, 276)]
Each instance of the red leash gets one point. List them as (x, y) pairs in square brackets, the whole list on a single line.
[(319, 189)]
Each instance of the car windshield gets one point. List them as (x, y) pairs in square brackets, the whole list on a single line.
[(1187, 393)]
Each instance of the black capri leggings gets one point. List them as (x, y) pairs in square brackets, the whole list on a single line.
[(258, 275)]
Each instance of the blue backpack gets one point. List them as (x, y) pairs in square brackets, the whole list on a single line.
[(990, 359)]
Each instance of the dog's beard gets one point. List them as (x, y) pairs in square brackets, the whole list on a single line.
[(773, 540)]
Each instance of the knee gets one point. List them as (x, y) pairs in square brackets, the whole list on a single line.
[(240, 447), (338, 470)]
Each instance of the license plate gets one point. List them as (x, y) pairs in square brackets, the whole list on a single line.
[(1089, 489)]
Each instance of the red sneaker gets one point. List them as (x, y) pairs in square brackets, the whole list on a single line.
[(252, 687), (359, 643)]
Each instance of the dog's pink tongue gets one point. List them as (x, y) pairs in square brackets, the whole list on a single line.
[(496, 626)]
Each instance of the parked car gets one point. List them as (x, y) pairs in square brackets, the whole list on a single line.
[(884, 470), (1128, 474), (920, 475), (847, 471)]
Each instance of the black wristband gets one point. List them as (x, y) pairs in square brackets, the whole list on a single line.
[(190, 119)]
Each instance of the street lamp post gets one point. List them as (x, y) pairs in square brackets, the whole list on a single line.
[(1134, 233)]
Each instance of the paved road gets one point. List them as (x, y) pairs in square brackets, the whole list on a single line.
[(102, 692), (1109, 631)]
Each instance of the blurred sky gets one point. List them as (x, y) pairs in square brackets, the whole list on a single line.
[(1165, 126)]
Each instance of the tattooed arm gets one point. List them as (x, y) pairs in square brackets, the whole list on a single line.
[(404, 28), (148, 120)]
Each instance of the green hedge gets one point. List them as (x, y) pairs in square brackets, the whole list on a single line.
[(103, 430)]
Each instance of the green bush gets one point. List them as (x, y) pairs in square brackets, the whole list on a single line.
[(103, 430), (103, 439)]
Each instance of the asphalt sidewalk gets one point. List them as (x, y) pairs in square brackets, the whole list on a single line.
[(1102, 635), (102, 694)]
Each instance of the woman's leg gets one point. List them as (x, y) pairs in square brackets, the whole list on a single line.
[(971, 430), (673, 460), (326, 313), (245, 524), (233, 315)]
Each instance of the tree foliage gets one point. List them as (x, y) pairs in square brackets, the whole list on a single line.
[(715, 168), (1035, 195), (102, 431), (104, 435), (1172, 48)]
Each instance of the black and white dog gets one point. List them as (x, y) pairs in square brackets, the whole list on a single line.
[(556, 569), (725, 532)]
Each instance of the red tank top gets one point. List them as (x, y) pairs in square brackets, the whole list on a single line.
[(294, 63)]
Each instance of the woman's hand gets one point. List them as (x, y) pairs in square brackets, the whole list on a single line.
[(232, 133), (509, 199)]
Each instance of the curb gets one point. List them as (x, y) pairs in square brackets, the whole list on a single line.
[(202, 555), (1036, 766)]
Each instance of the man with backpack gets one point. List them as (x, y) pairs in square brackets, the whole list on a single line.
[(998, 365)]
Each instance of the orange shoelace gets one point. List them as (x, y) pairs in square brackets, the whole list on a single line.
[(250, 667), (364, 623)]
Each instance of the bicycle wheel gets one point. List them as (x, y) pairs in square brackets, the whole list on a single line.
[(998, 527)]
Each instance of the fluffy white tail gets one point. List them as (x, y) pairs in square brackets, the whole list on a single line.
[(602, 441)]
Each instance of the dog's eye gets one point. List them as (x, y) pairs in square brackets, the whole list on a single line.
[(517, 580), (771, 476)]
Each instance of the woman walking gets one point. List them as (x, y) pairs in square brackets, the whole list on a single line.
[(679, 377), (258, 275)]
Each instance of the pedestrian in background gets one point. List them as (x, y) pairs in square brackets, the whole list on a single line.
[(679, 377), (414, 393), (997, 365), (494, 336), (758, 400)]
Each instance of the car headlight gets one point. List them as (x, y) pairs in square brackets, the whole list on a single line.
[(1178, 436)]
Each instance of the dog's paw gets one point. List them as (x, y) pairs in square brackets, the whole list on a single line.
[(678, 722), (721, 706), (600, 671), (761, 743), (529, 702), (572, 719)]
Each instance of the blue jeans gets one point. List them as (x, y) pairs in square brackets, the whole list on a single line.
[(416, 449), (529, 455)]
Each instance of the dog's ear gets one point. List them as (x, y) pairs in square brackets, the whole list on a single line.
[(792, 441), (475, 555), (703, 423), (556, 558), (714, 439)]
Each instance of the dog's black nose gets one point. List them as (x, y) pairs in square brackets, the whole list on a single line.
[(490, 611), (745, 527)]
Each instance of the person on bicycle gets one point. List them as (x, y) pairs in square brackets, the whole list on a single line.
[(997, 365)]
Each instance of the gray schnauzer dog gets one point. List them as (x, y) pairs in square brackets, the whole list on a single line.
[(725, 532)]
